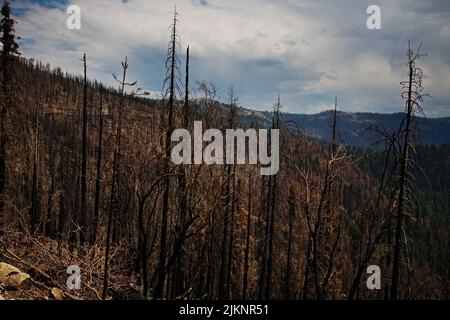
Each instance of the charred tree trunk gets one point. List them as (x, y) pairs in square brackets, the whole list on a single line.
[(159, 288), (178, 282), (273, 202), (247, 241), (230, 258), (49, 222), (83, 211), (34, 212), (404, 171), (287, 282), (98, 179), (113, 205)]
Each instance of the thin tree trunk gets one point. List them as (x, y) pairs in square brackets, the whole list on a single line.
[(229, 291), (159, 289), (98, 180), (34, 193), (224, 256), (287, 283), (179, 287), (247, 243), (49, 224), (113, 199), (401, 198), (83, 213)]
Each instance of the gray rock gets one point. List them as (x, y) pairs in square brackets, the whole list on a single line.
[(11, 277)]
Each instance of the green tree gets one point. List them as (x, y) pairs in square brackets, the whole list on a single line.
[(10, 51)]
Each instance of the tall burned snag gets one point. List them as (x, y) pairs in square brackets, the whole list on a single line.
[(178, 281), (232, 199), (83, 211), (229, 208), (98, 179), (247, 240), (114, 205), (266, 269), (171, 89), (34, 208), (291, 217), (412, 94), (272, 208)]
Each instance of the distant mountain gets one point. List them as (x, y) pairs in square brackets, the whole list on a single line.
[(354, 128)]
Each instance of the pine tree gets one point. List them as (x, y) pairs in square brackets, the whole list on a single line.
[(8, 40), (8, 55)]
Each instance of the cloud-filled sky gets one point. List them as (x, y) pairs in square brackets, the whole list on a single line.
[(308, 51)]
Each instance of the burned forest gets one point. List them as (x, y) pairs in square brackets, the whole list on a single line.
[(94, 207)]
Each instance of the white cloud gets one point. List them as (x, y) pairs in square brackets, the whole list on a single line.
[(306, 51)]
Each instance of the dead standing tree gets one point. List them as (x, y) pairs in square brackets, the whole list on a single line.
[(320, 220), (412, 94), (98, 180), (247, 239), (291, 217), (83, 210), (228, 218), (266, 270), (114, 201), (231, 199), (171, 91), (272, 208), (179, 278), (34, 208), (380, 219)]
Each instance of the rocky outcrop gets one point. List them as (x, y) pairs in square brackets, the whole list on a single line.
[(12, 278)]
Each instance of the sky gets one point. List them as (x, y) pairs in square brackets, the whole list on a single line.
[(308, 51)]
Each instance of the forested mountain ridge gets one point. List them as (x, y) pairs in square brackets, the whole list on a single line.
[(356, 129)]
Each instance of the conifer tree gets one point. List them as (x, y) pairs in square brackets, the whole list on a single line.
[(9, 53)]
